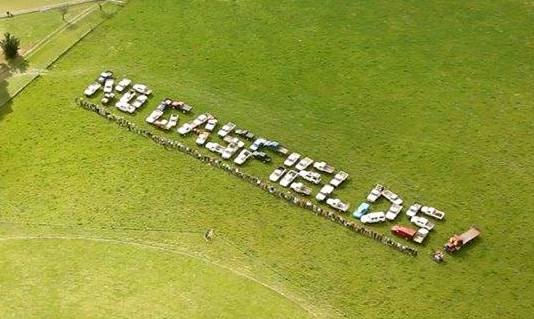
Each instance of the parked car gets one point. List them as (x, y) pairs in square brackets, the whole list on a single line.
[(201, 119), (257, 144), (226, 129), (184, 129), (432, 212), (142, 89), (403, 231), (422, 222), (291, 159), (311, 176), (337, 204), (214, 147), (300, 188), (324, 192), (108, 85), (304, 163), (288, 178), (361, 210), (127, 97), (413, 210), (375, 193), (139, 101), (261, 156), (234, 140), (202, 138), (375, 217), (323, 167), (154, 116), (92, 89), (277, 173), (242, 157), (211, 124), (420, 236), (173, 120), (392, 197), (393, 211), (123, 85), (104, 76), (125, 107), (229, 151), (339, 178)]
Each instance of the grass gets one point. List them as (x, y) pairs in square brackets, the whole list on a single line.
[(113, 279), (432, 99)]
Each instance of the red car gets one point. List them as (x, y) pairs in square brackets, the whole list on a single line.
[(403, 231)]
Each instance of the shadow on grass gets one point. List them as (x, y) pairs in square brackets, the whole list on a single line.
[(16, 65)]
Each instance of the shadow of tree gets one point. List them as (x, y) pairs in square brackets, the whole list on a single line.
[(5, 104)]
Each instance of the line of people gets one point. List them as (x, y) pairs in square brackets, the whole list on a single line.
[(282, 194)]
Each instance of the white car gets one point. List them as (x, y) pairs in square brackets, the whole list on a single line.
[(422, 222), (277, 173), (214, 147), (420, 235), (339, 178), (184, 129), (392, 197), (202, 138), (324, 192), (211, 124), (173, 120), (125, 107), (291, 159), (310, 176), (375, 217), (432, 212), (154, 116), (92, 89), (226, 129), (337, 204), (229, 151), (304, 163), (300, 188), (413, 210), (127, 97), (234, 141), (108, 85), (104, 76), (201, 119), (242, 157), (289, 178), (375, 193), (142, 89), (393, 211), (123, 85), (323, 167), (139, 101)]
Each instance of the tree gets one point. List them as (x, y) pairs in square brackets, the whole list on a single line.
[(63, 9), (10, 45)]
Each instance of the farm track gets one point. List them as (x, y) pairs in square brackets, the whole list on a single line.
[(166, 248)]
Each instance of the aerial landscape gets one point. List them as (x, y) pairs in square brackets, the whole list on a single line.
[(266, 159)]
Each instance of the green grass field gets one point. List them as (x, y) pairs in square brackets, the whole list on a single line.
[(432, 99)]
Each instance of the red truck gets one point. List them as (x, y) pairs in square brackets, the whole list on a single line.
[(403, 231), (458, 241)]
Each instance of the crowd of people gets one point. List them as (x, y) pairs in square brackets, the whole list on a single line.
[(262, 184)]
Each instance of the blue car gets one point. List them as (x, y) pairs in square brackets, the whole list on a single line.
[(361, 210)]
